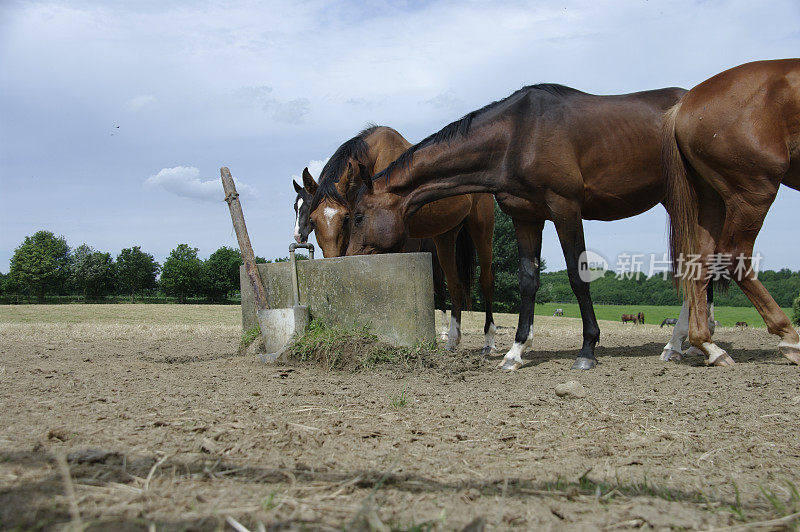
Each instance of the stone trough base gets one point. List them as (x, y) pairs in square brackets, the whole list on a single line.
[(392, 294)]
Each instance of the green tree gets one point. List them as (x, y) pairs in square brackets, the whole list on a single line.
[(92, 272), (221, 273), (797, 311), (180, 275), (136, 271), (41, 263)]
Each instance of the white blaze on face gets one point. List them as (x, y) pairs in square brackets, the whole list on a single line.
[(329, 213), (297, 235)]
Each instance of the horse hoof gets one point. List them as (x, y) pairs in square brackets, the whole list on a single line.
[(694, 352), (790, 351), (487, 350), (671, 354), (509, 364), (451, 346), (723, 360), (584, 363)]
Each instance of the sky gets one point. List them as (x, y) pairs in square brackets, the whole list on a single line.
[(115, 116)]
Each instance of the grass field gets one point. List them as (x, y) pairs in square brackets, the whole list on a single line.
[(167, 314), (727, 316)]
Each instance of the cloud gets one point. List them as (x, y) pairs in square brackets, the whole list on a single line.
[(135, 104), (291, 112), (288, 112), (314, 168), (184, 181), (444, 100)]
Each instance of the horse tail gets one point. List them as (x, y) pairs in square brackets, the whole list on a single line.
[(439, 289), (681, 201), (465, 264)]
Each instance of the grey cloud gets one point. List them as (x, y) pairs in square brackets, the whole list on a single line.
[(288, 111)]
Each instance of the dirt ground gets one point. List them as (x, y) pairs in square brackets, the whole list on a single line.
[(166, 425)]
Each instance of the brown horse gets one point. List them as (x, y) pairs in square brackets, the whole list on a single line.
[(728, 145), (371, 151), (630, 317), (547, 152)]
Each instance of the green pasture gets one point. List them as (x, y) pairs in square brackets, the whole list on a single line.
[(655, 314), (231, 314)]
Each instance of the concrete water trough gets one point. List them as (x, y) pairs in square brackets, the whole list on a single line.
[(392, 294)]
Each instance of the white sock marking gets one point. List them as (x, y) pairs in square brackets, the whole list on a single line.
[(454, 336), (488, 337), (443, 334), (714, 351), (680, 331), (515, 353)]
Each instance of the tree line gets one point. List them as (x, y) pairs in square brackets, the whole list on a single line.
[(45, 265)]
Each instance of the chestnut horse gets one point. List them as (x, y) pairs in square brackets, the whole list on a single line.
[(465, 251), (547, 152), (729, 143), (328, 214)]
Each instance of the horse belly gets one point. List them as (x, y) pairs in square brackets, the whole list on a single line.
[(439, 216), (624, 198)]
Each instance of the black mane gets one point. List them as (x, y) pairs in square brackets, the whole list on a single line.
[(462, 125), (356, 149)]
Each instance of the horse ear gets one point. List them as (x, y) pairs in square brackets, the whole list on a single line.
[(297, 186), (308, 181), (365, 176)]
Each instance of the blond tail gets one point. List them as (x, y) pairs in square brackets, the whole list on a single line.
[(681, 202)]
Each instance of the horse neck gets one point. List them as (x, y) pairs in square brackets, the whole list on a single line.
[(385, 145), (466, 164)]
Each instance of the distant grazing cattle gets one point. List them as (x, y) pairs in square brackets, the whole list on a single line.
[(669, 321)]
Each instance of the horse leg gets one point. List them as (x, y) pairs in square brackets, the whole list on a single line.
[(529, 242), (673, 349), (570, 233), (481, 228), (446, 251), (699, 331), (742, 224), (439, 296)]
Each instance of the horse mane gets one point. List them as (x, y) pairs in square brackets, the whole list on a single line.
[(357, 149), (462, 125)]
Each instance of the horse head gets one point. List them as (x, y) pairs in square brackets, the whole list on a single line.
[(378, 224), (302, 207)]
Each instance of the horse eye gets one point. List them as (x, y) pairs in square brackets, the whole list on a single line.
[(359, 218), (347, 218)]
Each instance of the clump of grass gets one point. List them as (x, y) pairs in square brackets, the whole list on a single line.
[(355, 348), (250, 335), (736, 508), (783, 509), (400, 400), (334, 347)]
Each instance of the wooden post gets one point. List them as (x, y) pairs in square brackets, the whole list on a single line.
[(232, 198)]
